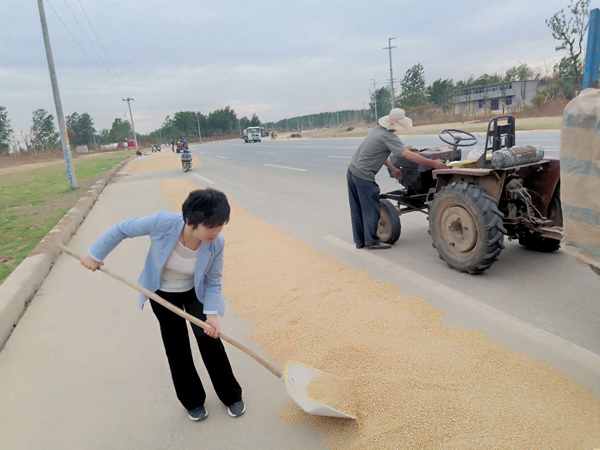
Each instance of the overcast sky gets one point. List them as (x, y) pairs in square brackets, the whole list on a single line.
[(276, 58)]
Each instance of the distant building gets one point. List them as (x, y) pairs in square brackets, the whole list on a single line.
[(493, 97)]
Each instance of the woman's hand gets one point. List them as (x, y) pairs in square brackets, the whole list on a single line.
[(90, 263), (213, 321)]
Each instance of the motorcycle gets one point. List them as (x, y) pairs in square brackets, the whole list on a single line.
[(156, 148), (186, 160)]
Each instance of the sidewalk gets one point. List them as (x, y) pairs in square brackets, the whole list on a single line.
[(85, 369)]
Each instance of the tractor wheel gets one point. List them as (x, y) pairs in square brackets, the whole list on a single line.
[(466, 227), (544, 244), (389, 227)]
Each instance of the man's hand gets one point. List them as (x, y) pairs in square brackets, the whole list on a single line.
[(213, 321), (90, 263), (397, 174), (438, 164)]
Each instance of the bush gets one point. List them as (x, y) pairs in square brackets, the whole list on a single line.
[(538, 99)]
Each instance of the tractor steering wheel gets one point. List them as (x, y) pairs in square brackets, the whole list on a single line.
[(470, 139)]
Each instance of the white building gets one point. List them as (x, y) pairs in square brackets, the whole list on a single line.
[(495, 97)]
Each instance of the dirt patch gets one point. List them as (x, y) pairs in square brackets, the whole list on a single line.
[(157, 162), (19, 163), (421, 384)]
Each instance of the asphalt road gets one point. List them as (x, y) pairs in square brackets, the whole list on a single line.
[(300, 186)]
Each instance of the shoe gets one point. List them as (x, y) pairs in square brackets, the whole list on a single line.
[(237, 409), (359, 246), (380, 246), (198, 414)]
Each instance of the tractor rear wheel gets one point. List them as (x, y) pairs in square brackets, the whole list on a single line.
[(389, 227), (466, 227)]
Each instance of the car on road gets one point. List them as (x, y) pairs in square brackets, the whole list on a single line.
[(253, 134)]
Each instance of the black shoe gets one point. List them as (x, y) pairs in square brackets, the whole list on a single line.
[(359, 246), (237, 409), (198, 414)]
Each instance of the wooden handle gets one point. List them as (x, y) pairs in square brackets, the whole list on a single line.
[(251, 353)]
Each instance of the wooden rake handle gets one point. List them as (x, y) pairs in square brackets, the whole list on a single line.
[(158, 299)]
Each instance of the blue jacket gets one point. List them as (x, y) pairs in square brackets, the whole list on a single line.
[(164, 229)]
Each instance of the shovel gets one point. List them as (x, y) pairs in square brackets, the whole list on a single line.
[(297, 376)]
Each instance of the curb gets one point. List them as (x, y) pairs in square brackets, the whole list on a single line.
[(21, 285)]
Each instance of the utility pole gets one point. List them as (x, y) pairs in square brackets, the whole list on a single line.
[(592, 63), (199, 133), (64, 138), (389, 47), (129, 100), (95, 145), (337, 114), (375, 98)]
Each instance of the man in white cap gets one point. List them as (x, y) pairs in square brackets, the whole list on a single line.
[(368, 159)]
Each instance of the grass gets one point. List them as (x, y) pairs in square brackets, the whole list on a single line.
[(33, 201)]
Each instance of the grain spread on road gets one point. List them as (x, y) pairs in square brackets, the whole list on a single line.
[(420, 384), (166, 160), (335, 391)]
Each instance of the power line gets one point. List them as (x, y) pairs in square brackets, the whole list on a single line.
[(102, 45), (77, 42), (88, 39)]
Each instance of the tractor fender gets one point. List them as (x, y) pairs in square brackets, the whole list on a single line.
[(489, 179)]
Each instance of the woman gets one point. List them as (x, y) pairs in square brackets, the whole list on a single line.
[(184, 266)]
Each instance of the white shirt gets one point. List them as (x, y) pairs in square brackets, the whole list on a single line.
[(178, 275)]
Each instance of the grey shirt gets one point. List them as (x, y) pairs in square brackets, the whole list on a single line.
[(373, 151)]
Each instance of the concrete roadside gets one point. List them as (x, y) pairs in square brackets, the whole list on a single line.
[(86, 369)]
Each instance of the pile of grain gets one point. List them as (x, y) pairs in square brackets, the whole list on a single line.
[(158, 161), (337, 392), (420, 383)]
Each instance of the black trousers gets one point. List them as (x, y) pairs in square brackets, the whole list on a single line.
[(364, 209), (174, 331)]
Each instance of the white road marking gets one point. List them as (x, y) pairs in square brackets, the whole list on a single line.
[(566, 349), (342, 157), (202, 153), (222, 157), (284, 167), (206, 180), (270, 153)]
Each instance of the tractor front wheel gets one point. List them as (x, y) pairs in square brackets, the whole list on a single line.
[(389, 227), (466, 227)]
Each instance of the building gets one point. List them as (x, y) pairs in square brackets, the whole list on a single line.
[(495, 97)]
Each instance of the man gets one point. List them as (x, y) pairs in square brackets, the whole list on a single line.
[(368, 159)]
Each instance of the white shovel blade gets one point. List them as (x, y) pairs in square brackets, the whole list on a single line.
[(297, 378)]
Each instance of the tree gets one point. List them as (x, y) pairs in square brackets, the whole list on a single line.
[(244, 123), (440, 93), (538, 99), (570, 34), (255, 121), (120, 131), (44, 136), (5, 131), (82, 128), (384, 103), (565, 72), (414, 91)]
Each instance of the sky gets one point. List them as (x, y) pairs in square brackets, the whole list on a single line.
[(274, 58)]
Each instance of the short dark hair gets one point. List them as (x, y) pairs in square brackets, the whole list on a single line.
[(208, 207)]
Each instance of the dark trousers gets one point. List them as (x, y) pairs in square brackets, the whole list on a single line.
[(173, 329), (364, 209)]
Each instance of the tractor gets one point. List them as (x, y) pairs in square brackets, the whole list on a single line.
[(503, 190)]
